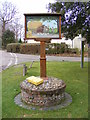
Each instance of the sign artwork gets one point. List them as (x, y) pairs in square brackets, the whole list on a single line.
[(42, 26)]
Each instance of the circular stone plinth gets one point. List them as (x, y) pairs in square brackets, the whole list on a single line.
[(66, 102), (51, 92)]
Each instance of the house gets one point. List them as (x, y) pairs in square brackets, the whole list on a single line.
[(68, 42), (77, 42)]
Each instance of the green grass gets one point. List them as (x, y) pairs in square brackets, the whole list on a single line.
[(75, 78)]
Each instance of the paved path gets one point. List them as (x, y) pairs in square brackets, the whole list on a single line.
[(8, 59)]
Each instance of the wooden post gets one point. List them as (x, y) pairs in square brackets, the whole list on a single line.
[(24, 69), (42, 56), (42, 59)]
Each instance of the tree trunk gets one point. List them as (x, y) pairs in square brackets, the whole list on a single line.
[(3, 27)]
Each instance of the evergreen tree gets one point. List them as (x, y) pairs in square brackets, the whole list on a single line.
[(8, 37), (20, 41)]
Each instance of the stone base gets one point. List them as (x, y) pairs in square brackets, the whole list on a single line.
[(50, 92), (66, 102)]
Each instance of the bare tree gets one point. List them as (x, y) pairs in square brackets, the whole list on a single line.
[(17, 28), (7, 13)]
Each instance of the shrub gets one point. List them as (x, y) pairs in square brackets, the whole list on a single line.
[(86, 48), (50, 49), (63, 48), (75, 51), (56, 48), (28, 48), (68, 50), (13, 47), (9, 48), (60, 49)]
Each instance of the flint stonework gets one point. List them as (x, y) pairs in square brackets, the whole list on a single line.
[(50, 92)]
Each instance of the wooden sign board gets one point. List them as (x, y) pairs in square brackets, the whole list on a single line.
[(42, 26)]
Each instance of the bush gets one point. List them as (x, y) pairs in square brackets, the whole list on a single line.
[(57, 48), (63, 48), (60, 49), (86, 48), (27, 48), (13, 47), (74, 51), (50, 48)]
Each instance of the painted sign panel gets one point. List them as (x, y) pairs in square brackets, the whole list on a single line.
[(42, 26)]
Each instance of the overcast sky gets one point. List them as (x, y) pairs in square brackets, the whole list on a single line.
[(31, 6)]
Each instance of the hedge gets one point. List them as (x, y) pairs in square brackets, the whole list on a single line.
[(28, 48), (60, 48), (13, 47)]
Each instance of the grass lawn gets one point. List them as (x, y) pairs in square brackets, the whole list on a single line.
[(75, 78)]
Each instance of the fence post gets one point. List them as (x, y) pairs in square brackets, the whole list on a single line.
[(24, 70)]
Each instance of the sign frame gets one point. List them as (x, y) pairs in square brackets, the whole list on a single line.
[(43, 15)]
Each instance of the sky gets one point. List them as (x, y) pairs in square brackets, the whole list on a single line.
[(30, 6), (51, 24)]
